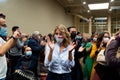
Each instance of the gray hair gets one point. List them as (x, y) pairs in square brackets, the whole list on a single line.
[(35, 33)]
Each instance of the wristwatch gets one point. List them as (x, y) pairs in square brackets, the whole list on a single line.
[(13, 37)]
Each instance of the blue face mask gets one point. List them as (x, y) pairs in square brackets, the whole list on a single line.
[(3, 31), (28, 53)]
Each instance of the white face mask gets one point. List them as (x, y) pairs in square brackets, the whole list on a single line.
[(106, 40), (95, 39), (58, 40), (39, 37)]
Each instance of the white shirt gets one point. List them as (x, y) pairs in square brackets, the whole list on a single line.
[(3, 62), (60, 63)]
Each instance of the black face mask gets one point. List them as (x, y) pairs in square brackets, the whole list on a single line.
[(73, 35)]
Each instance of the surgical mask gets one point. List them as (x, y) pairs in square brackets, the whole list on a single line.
[(78, 37), (58, 39), (3, 31), (105, 40), (28, 53), (95, 39)]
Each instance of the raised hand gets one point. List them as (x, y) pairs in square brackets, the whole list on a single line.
[(16, 34), (81, 49), (72, 46), (111, 39), (50, 43)]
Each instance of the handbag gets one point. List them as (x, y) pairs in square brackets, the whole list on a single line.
[(101, 57)]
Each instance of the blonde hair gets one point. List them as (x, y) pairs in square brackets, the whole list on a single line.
[(65, 34)]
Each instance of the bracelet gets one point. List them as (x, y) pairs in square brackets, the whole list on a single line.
[(13, 37)]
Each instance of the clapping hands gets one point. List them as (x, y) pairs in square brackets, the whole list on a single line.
[(17, 34), (72, 46), (50, 43)]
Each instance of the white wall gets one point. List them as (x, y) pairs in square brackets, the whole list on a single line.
[(31, 15)]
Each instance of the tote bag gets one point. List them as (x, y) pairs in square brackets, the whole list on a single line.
[(101, 57)]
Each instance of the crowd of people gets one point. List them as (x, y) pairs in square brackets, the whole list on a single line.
[(66, 53)]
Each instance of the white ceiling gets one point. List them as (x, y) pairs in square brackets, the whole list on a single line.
[(76, 7)]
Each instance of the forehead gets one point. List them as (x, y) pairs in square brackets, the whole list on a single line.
[(27, 49), (72, 29), (96, 35), (106, 34), (2, 18), (58, 31)]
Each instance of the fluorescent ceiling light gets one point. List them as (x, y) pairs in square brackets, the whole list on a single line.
[(98, 6), (115, 7), (101, 18)]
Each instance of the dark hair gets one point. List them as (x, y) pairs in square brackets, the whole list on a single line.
[(2, 15), (70, 28), (50, 36), (93, 34), (100, 37), (14, 28), (79, 33)]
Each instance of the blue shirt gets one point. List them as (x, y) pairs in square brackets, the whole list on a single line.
[(60, 63)]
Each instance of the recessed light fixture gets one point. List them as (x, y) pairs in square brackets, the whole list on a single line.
[(88, 11), (98, 6), (110, 9), (84, 2), (112, 0)]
